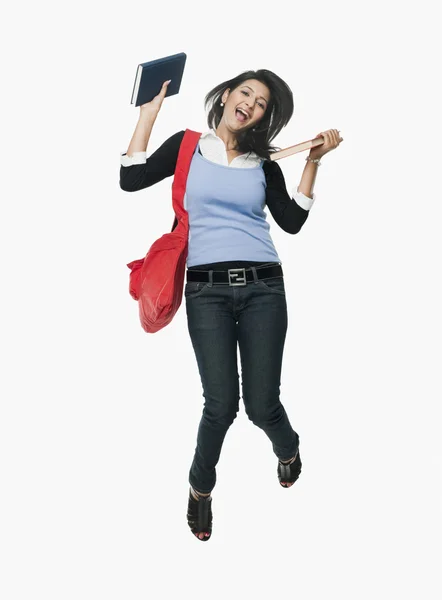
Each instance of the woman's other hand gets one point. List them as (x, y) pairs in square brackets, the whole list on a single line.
[(332, 139)]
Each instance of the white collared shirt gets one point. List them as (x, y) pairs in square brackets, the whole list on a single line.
[(214, 149)]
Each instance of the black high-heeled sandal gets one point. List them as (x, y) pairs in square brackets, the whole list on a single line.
[(289, 473), (199, 516)]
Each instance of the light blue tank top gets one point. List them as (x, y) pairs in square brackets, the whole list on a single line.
[(226, 213)]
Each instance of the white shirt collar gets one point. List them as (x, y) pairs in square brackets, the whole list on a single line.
[(214, 149)]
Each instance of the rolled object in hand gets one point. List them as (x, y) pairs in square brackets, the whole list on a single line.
[(297, 148)]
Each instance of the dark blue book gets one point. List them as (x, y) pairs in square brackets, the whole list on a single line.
[(151, 75)]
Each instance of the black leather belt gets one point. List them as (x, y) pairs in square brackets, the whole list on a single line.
[(241, 276)]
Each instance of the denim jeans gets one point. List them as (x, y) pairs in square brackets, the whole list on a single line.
[(219, 317)]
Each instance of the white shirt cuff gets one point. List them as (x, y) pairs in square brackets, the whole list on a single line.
[(301, 199), (138, 158)]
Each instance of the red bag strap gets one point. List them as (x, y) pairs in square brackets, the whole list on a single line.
[(185, 155)]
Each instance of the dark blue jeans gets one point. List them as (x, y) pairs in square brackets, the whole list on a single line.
[(219, 317)]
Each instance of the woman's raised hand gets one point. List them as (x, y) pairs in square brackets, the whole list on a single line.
[(154, 105)]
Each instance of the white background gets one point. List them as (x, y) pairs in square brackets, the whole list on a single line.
[(99, 419)]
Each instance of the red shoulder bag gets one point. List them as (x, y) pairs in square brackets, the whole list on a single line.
[(157, 280)]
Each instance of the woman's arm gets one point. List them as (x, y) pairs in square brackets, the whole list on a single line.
[(148, 114), (142, 132), (288, 214), (308, 179), (138, 172)]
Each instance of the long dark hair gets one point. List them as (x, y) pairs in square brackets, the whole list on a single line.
[(278, 113)]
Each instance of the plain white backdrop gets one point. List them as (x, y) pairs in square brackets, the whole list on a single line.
[(99, 419)]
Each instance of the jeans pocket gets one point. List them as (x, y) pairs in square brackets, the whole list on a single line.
[(274, 284), (194, 288)]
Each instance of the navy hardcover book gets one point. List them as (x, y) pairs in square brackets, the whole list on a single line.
[(151, 75)]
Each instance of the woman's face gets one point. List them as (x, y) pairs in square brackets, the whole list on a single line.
[(251, 96)]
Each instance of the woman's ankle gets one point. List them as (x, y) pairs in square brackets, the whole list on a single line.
[(198, 495), (285, 462)]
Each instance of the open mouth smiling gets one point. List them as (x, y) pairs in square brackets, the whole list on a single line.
[(242, 115)]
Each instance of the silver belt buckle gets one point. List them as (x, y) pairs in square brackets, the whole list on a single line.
[(237, 276)]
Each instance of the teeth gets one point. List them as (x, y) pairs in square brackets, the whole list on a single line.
[(243, 112)]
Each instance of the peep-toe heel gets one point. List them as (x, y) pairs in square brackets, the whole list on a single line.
[(289, 473), (199, 516)]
